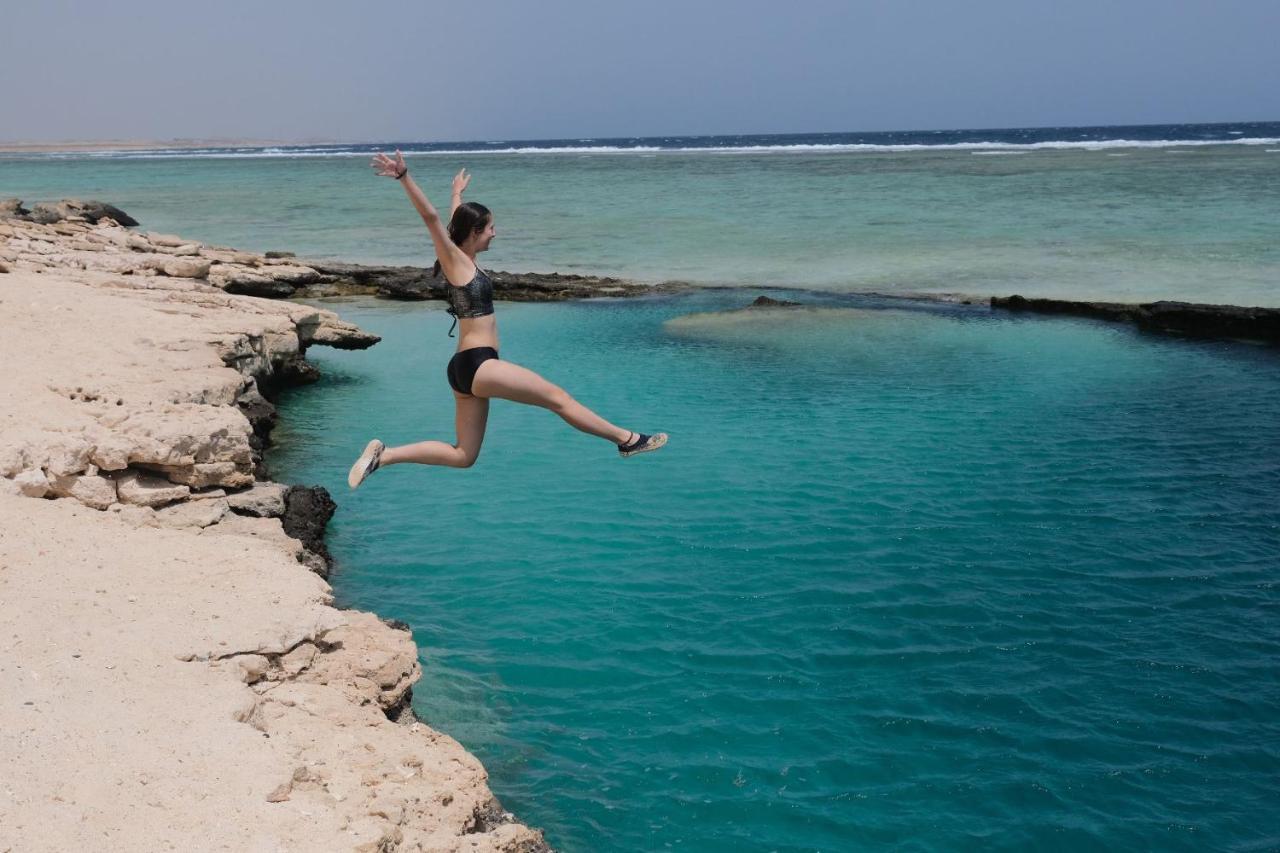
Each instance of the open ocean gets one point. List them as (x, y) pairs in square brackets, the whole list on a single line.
[(909, 575), (1163, 211)]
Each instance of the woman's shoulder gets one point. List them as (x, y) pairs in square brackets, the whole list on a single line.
[(476, 273)]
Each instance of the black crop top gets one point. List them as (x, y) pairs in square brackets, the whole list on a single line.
[(473, 300)]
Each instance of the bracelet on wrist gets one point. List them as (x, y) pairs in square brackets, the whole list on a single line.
[(402, 173)]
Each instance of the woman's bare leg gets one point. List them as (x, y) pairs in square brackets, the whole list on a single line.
[(509, 381), (472, 414)]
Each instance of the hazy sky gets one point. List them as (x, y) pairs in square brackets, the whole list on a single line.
[(496, 69)]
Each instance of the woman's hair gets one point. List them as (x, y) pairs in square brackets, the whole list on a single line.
[(467, 219)]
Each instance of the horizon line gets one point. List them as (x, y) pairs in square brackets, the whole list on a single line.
[(87, 145)]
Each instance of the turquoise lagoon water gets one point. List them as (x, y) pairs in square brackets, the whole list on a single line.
[(921, 577)]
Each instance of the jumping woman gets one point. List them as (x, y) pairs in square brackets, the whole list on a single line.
[(475, 372)]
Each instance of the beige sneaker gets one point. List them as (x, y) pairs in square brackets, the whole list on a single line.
[(366, 464)]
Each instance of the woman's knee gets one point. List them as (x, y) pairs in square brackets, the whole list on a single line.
[(558, 400)]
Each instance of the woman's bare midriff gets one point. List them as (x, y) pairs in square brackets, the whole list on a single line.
[(478, 332)]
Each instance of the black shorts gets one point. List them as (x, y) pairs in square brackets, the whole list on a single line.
[(464, 364)]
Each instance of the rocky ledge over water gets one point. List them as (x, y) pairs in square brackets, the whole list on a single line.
[(173, 668), (90, 235), (1185, 318), (413, 283)]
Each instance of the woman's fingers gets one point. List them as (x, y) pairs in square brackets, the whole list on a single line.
[(385, 165)]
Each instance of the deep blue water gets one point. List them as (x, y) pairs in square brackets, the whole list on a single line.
[(1160, 135), (911, 576)]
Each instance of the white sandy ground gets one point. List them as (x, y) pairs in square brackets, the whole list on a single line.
[(173, 677)]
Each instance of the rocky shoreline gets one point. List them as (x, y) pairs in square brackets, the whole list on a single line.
[(174, 672), (1192, 319)]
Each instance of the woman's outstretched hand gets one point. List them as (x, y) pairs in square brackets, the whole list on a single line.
[(460, 181), (385, 166)]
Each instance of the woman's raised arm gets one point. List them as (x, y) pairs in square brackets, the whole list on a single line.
[(460, 182), (452, 259)]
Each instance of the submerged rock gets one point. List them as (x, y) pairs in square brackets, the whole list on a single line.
[(770, 302)]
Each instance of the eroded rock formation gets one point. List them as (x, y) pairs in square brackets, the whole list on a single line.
[(147, 567)]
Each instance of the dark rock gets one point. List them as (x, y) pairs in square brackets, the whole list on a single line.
[(95, 210), (490, 815), (1186, 318), (307, 509), (11, 208), (768, 302), (416, 283), (315, 562), (47, 213), (1099, 310), (258, 286), (1218, 321), (262, 418), (295, 276), (260, 412), (348, 338), (554, 287), (299, 371), (397, 624), (402, 711), (395, 282), (281, 255)]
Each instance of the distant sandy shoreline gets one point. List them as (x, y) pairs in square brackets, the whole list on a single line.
[(90, 146)]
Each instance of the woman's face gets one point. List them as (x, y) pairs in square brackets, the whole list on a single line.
[(485, 236)]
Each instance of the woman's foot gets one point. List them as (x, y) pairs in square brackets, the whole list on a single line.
[(640, 443), (367, 463)]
